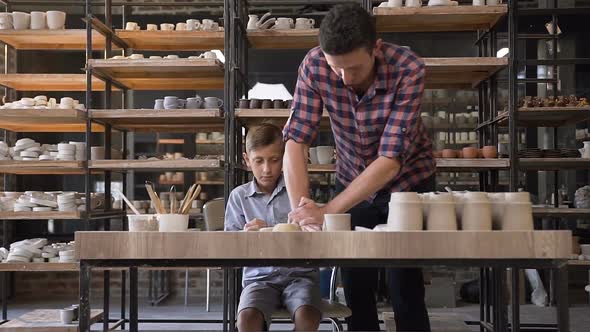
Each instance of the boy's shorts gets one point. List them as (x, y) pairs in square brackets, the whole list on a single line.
[(271, 294)]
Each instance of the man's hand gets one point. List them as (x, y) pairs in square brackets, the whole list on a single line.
[(308, 215), (254, 225)]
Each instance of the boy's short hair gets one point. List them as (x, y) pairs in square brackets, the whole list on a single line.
[(263, 135)]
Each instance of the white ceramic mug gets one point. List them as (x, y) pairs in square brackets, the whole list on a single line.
[(56, 20), (325, 154), (66, 316), (6, 21), (131, 26), (207, 24), (337, 222), (151, 27), (193, 103), (180, 26), (213, 102), (413, 3), (304, 23), (283, 23), (38, 20), (166, 27), (193, 24), (394, 3), (21, 21)]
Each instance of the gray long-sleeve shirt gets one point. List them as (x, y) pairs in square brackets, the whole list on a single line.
[(247, 202)]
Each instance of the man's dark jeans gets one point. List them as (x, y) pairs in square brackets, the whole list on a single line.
[(406, 285)]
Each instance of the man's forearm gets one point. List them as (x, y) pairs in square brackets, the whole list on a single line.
[(371, 180), (295, 172)]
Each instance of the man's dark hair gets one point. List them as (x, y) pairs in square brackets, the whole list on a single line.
[(346, 28)]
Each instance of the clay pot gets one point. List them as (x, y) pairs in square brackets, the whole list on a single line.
[(470, 152), (460, 154), (449, 153), (490, 151), (479, 153), (437, 154)]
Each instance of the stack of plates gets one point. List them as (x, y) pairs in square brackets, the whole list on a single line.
[(35, 201), (530, 153), (570, 153), (66, 202), (551, 153), (67, 256), (66, 151), (80, 153), (24, 251), (4, 151)]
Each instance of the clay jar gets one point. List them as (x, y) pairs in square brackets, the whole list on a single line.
[(469, 153), (449, 153), (440, 212), (517, 217), (489, 152), (405, 212)]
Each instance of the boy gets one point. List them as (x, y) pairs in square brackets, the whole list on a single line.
[(264, 202)]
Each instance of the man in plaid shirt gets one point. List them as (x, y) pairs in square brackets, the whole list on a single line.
[(371, 91)]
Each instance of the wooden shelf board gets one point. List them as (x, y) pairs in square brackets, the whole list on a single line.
[(45, 120), (75, 215), (560, 212), (172, 141), (252, 117), (284, 39), (433, 19), (46, 320), (578, 262), (461, 72), (210, 182), (173, 40), (180, 120), (39, 267), (180, 74), (49, 82), (68, 39), (472, 165), (548, 116), (553, 164), (208, 142), (148, 165), (41, 167)]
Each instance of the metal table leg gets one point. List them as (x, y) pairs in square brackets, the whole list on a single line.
[(232, 300), (225, 298), (515, 300), (106, 299), (84, 313), (133, 300), (123, 296), (563, 316)]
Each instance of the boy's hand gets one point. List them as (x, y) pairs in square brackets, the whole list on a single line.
[(254, 225), (308, 215)]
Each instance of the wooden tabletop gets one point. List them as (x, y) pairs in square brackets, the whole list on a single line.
[(325, 245), (45, 320)]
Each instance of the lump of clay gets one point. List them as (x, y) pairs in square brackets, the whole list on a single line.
[(286, 228)]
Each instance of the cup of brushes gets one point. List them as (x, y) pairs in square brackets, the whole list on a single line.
[(176, 219)]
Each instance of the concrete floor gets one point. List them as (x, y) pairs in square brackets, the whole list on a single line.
[(579, 315)]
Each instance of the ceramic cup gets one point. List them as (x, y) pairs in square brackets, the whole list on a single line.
[(21, 21), (142, 222), (166, 27), (441, 216), (413, 3), (394, 3), (337, 222), (477, 216), (66, 316), (325, 154), (151, 27), (244, 103), (313, 156), (56, 20), (66, 102), (38, 20), (213, 102), (278, 103), (181, 26), (97, 153), (172, 222), (267, 103), (131, 26), (170, 102), (6, 21), (207, 25), (159, 104), (193, 103), (304, 23), (283, 23), (517, 217), (193, 24), (405, 216), (255, 103)]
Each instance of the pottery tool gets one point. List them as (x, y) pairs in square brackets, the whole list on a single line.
[(188, 204), (129, 204), (172, 199), (186, 198), (155, 199)]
